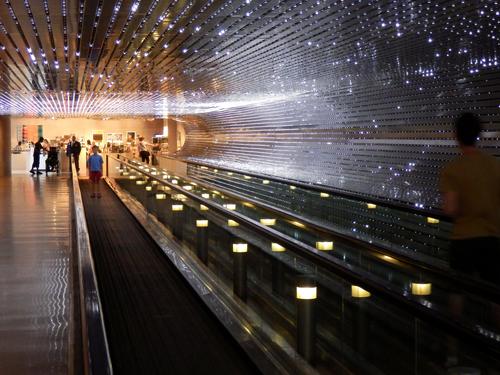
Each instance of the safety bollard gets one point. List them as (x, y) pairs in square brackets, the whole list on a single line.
[(202, 240), (306, 293), (177, 220), (240, 270)]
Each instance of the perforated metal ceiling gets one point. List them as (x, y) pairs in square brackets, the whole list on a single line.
[(355, 94), (103, 57)]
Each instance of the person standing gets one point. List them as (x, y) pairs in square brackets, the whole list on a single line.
[(470, 187), (95, 167), (36, 157), (75, 150), (143, 150)]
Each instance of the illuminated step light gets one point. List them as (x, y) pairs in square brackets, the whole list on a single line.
[(161, 196), (371, 206), (187, 187), (203, 207), (149, 188), (179, 197), (203, 167), (389, 259), (194, 183), (177, 207), (265, 182), (306, 292), (126, 173), (132, 177), (141, 167), (229, 173), (154, 182), (230, 206), (154, 173), (292, 187), (358, 292), (247, 177), (421, 289), (215, 192), (298, 224), (276, 247), (248, 204), (166, 177), (324, 245), (232, 223), (174, 181), (202, 223), (118, 167), (140, 182), (240, 247), (268, 222), (164, 188), (206, 195), (432, 220), (216, 170), (324, 195)]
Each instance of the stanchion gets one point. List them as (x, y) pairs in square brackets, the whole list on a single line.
[(177, 220), (278, 283), (306, 320), (240, 270), (202, 240), (277, 269), (360, 321), (107, 163)]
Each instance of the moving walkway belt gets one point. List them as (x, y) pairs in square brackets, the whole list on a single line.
[(156, 323)]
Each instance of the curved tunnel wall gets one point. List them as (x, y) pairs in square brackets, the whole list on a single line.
[(384, 138)]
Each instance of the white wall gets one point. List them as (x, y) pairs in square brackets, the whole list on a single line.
[(82, 127)]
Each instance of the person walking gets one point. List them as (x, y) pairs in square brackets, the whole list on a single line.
[(75, 150), (36, 157), (95, 167), (143, 150), (470, 187)]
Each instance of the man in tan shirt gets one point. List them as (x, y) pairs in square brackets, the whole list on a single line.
[(470, 185)]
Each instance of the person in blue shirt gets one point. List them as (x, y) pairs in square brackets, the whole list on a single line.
[(94, 164)]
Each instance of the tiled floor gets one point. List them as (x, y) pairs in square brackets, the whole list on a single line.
[(34, 274)]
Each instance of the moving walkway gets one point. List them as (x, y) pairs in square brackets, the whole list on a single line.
[(364, 322)]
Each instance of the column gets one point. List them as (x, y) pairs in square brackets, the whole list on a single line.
[(172, 135), (5, 147)]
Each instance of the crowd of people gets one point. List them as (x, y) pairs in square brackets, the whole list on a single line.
[(94, 160)]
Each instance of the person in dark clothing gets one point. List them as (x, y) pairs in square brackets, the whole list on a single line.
[(36, 156), (75, 150), (470, 185)]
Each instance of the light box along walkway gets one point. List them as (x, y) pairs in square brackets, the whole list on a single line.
[(34, 274)]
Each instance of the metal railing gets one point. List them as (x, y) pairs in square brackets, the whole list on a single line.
[(96, 357)]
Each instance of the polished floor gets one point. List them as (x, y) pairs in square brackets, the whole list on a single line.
[(34, 275)]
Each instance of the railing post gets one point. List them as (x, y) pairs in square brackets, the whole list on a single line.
[(240, 270), (306, 293), (177, 220), (107, 163), (202, 240)]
